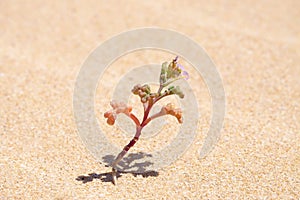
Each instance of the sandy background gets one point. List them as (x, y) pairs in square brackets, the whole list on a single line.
[(255, 46)]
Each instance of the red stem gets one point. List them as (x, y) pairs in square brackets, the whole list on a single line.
[(135, 119), (139, 127)]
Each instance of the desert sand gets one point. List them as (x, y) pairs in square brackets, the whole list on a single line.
[(255, 46)]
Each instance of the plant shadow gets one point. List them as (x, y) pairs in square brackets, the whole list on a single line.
[(126, 166)]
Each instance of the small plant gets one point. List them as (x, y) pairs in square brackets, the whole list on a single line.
[(169, 73)]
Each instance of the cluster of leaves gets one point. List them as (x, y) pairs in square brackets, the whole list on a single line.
[(144, 92), (170, 72)]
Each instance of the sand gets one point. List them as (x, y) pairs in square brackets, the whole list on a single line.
[(255, 46)]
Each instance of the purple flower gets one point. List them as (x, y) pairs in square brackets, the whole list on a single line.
[(184, 73)]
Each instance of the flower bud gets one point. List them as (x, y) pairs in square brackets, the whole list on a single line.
[(111, 117), (146, 88), (136, 89), (142, 94), (170, 110), (144, 99)]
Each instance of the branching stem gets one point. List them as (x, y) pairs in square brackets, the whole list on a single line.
[(168, 75)]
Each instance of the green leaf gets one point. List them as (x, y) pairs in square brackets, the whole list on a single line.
[(163, 73), (176, 90)]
